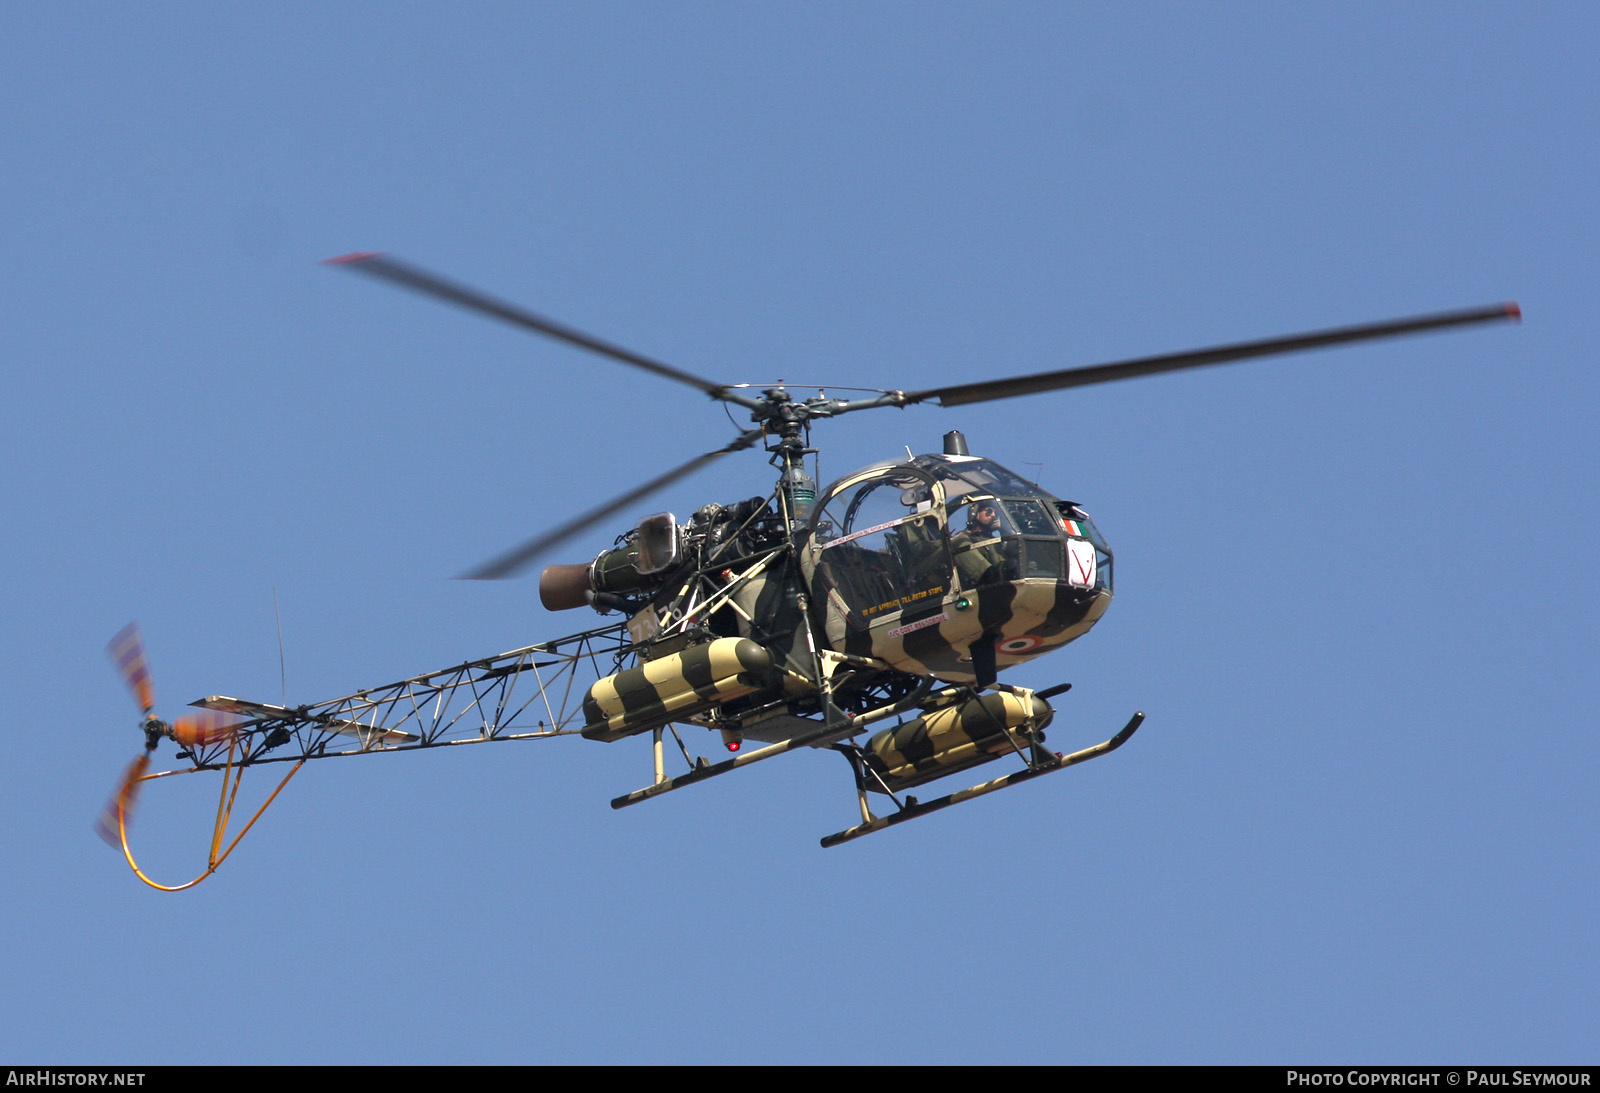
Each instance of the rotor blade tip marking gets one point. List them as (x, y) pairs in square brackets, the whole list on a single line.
[(354, 258)]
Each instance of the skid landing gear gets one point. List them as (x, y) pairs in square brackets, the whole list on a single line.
[(1039, 763)]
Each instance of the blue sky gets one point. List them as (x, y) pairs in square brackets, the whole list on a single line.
[(1355, 590)]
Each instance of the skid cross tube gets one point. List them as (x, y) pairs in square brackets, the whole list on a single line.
[(837, 726), (823, 734)]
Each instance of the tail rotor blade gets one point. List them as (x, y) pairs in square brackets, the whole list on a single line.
[(119, 810), (127, 653)]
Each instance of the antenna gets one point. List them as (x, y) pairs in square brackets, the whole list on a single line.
[(283, 675)]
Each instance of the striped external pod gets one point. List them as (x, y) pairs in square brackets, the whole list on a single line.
[(956, 737), (917, 563), (678, 686)]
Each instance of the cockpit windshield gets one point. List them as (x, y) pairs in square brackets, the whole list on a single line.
[(962, 475), (881, 542), (1023, 537)]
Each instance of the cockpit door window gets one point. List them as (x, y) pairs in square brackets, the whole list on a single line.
[(881, 545)]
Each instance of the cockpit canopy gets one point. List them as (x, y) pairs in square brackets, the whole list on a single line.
[(897, 535)]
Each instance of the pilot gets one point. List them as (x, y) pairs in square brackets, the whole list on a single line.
[(977, 549)]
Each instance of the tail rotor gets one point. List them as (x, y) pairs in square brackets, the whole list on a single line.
[(192, 731)]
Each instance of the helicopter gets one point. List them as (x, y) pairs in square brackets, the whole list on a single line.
[(872, 617)]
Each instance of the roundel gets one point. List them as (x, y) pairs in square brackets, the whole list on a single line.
[(1027, 643)]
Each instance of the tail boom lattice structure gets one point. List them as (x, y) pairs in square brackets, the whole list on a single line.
[(525, 694)]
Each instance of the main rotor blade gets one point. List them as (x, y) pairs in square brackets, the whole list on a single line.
[(389, 269), (964, 393), (514, 561)]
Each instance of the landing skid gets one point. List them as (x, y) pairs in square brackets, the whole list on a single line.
[(1040, 764), (703, 770), (835, 726)]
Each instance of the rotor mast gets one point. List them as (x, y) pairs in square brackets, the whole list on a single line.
[(777, 412)]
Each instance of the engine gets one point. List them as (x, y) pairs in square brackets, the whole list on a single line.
[(649, 563)]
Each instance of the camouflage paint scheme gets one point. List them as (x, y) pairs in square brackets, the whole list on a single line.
[(956, 737), (874, 574), (1025, 617), (677, 687)]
